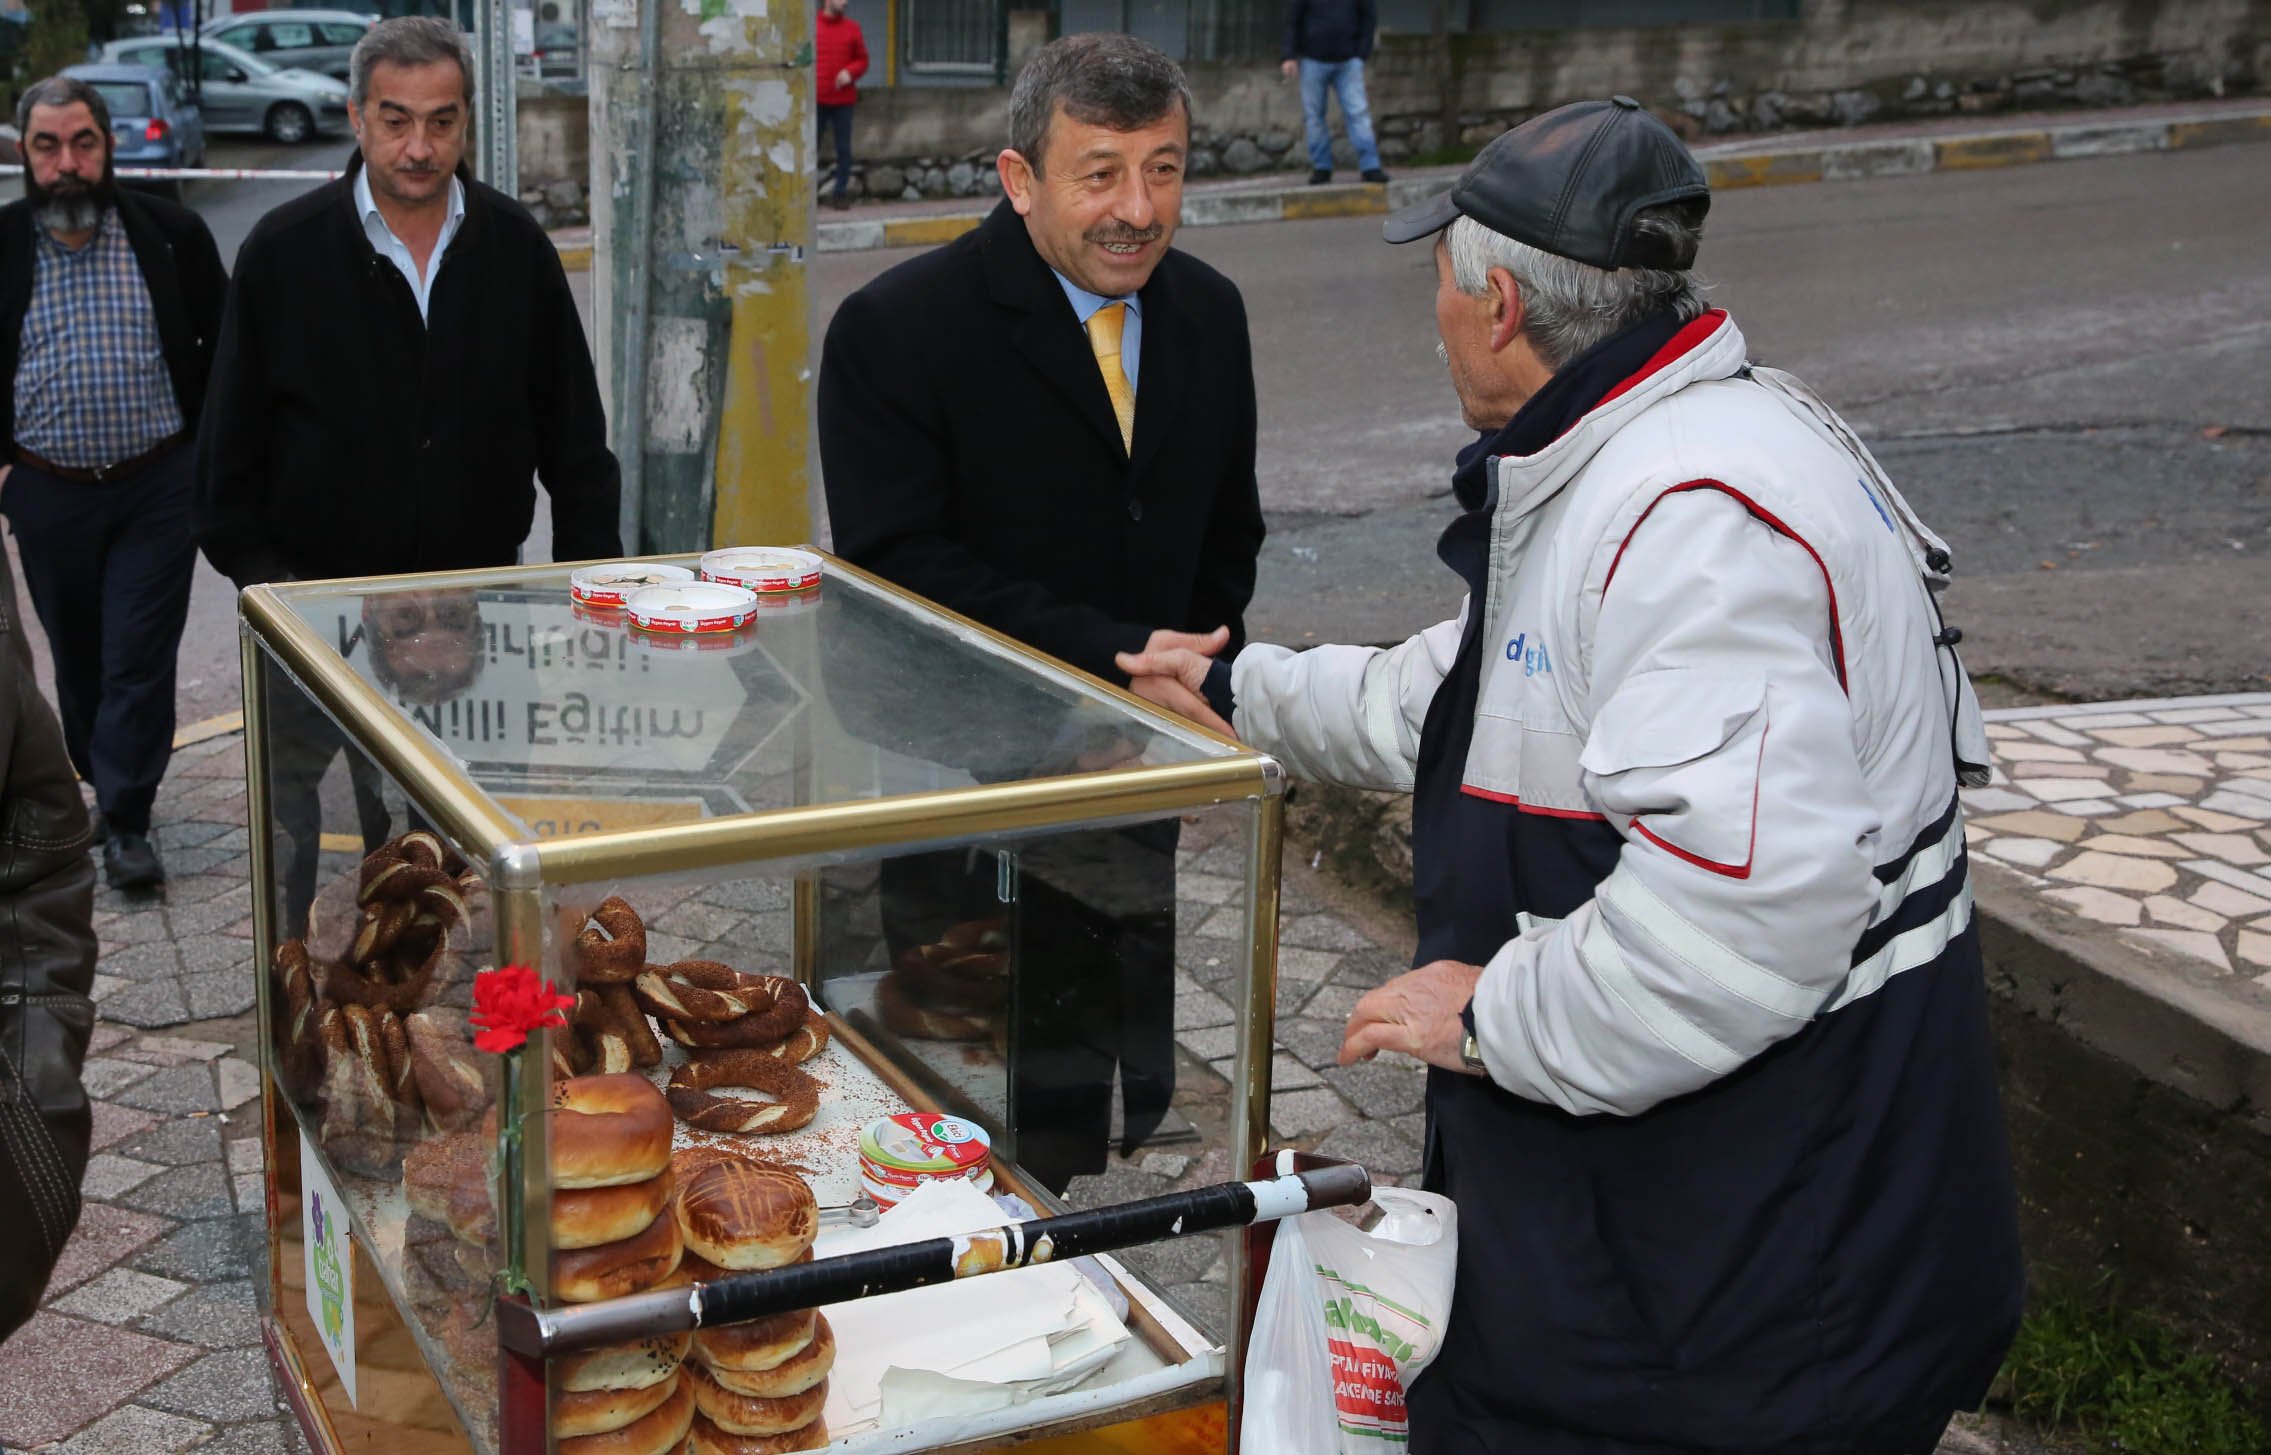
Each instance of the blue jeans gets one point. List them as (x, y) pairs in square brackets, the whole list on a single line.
[(838, 119), (1346, 79)]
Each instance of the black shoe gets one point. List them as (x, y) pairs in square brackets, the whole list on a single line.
[(130, 861), (1375, 175), (1319, 178), (102, 829)]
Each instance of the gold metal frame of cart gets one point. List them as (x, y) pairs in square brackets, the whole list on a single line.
[(519, 868)]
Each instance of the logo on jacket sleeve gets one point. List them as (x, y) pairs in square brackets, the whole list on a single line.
[(1532, 655)]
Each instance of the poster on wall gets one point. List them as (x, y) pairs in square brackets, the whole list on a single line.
[(331, 1265)]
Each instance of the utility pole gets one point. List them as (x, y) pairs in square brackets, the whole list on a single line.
[(701, 206), (496, 131)]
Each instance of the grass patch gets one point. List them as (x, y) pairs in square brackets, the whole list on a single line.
[(2083, 1365)]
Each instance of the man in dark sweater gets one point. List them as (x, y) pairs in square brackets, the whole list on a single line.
[(109, 303), (1327, 43), (400, 357)]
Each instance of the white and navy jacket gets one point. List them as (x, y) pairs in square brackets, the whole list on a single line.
[(1740, 1148)]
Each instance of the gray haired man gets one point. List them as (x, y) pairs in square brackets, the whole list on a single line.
[(110, 302), (1697, 982), (401, 361)]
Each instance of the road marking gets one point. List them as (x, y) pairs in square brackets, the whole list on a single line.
[(212, 727)]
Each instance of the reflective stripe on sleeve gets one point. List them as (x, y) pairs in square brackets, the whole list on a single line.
[(1626, 896), (1605, 962)]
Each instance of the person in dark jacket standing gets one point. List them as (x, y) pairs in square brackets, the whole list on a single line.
[(1048, 426), (109, 306), (839, 59), (401, 358), (47, 966), (1327, 43)]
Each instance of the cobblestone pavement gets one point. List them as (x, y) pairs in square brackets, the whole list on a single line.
[(2149, 820), (149, 1340)]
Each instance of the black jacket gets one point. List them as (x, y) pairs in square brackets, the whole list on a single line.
[(47, 966), (343, 438), (1330, 30), (971, 454), (181, 268)]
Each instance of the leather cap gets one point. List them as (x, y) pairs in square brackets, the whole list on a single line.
[(1570, 182)]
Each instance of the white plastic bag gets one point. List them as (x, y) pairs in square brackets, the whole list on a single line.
[(1347, 1319)]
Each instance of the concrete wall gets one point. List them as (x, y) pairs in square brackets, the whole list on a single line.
[(2140, 1131)]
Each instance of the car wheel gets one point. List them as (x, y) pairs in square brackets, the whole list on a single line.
[(289, 123)]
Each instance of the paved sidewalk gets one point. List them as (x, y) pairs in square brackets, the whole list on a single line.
[(1903, 148), (2148, 820)]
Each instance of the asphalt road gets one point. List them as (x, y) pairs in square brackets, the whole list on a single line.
[(2063, 366)]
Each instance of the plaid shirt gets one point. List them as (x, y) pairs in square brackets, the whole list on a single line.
[(91, 382)]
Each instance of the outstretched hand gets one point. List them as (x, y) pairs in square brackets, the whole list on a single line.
[(1171, 671), (1416, 1013)]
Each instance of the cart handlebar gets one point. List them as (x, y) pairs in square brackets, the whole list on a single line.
[(540, 1333)]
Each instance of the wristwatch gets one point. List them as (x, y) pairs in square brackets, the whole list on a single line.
[(1470, 1049)]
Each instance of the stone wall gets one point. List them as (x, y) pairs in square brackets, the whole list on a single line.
[(1843, 63)]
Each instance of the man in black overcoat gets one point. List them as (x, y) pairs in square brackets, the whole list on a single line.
[(1048, 426)]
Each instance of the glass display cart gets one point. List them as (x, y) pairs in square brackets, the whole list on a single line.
[(943, 871)]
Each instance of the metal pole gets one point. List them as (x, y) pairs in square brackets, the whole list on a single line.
[(702, 227), (498, 137)]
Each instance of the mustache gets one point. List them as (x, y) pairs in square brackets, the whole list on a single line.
[(1120, 232)]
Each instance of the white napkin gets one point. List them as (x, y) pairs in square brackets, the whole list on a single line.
[(963, 1347)]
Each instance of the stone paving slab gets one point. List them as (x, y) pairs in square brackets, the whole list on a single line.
[(2150, 821)]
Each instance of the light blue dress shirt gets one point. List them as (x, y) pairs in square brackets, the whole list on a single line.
[(1084, 306), (397, 252)]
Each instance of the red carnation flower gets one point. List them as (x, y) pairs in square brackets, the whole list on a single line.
[(511, 1001)]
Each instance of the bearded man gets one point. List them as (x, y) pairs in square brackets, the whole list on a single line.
[(110, 303)]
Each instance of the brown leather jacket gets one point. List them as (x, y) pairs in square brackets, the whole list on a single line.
[(47, 966)]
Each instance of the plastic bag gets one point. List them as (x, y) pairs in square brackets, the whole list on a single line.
[(1347, 1319)]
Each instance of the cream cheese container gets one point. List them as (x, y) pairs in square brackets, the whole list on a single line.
[(607, 586), (689, 609), (763, 569)]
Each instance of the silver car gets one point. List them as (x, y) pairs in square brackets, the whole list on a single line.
[(308, 40), (241, 92)]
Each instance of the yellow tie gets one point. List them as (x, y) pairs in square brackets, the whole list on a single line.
[(1104, 337)]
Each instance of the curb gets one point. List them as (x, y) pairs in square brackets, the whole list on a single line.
[(1914, 156)]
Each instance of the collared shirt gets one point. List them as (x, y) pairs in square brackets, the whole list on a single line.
[(1085, 304), (394, 250), (92, 387)]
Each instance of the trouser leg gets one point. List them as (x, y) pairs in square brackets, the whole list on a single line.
[(145, 583), (1315, 77), (842, 121)]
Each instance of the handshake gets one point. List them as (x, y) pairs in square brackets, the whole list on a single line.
[(1171, 672)]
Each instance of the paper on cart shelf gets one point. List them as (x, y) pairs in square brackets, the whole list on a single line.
[(959, 1347)]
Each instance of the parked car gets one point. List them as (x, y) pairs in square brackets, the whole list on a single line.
[(152, 116), (310, 40), (242, 93)]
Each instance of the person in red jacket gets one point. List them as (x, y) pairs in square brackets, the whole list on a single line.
[(839, 59)]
